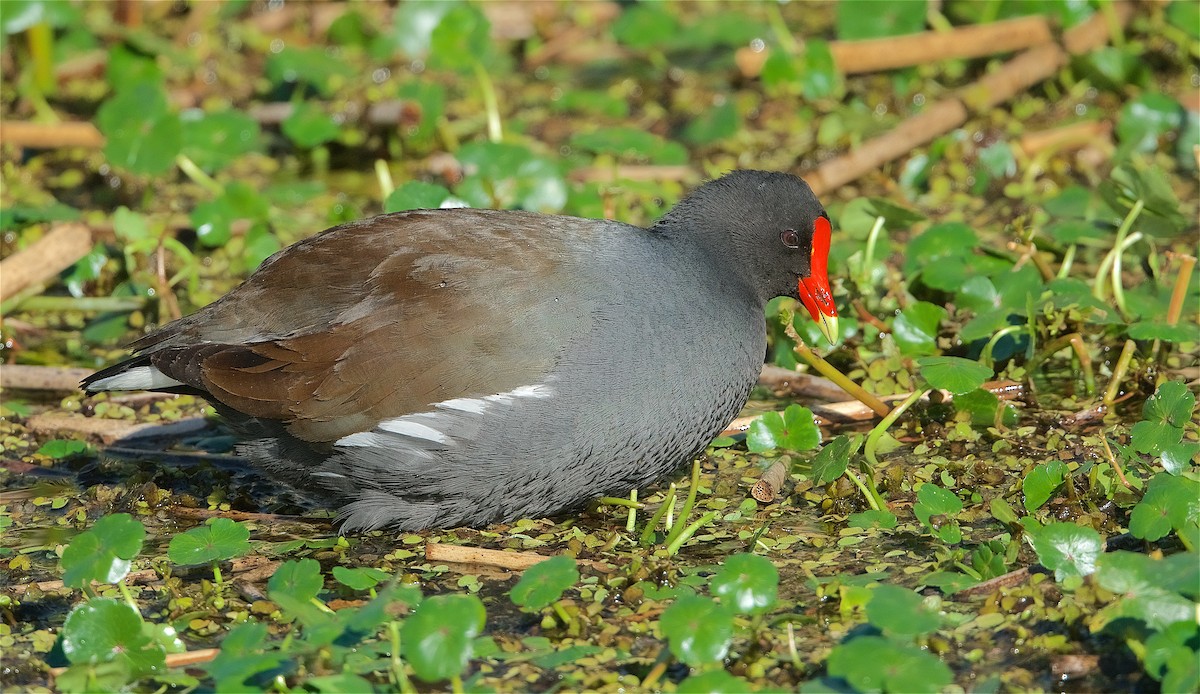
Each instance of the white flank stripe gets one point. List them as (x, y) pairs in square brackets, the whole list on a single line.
[(405, 426), (472, 405), (412, 429), (137, 378)]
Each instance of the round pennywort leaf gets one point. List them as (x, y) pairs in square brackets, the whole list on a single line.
[(698, 629), (221, 539), (438, 637), (544, 582), (747, 583)]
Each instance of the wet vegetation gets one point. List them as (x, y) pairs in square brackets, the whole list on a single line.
[(1016, 506)]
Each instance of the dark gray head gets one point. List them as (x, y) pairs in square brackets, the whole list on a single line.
[(769, 229)]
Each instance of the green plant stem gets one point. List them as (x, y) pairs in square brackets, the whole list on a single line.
[(18, 300), (114, 304), (985, 356), (863, 488), (128, 595), (828, 371), (621, 501), (864, 270), (888, 421), (648, 531), (399, 675), (631, 521), (41, 50), (687, 505), (1111, 265), (674, 545), (194, 172), (779, 27), (1117, 287), (1118, 374), (1103, 278), (1115, 31), (456, 685), (217, 575), (656, 672), (384, 175), (490, 104), (1067, 261)]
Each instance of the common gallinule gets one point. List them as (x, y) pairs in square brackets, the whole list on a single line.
[(437, 368)]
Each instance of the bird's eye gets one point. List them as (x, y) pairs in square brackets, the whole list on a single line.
[(790, 238)]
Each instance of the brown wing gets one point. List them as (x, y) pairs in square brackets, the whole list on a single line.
[(383, 318)]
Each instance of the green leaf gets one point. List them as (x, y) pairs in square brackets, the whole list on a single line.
[(359, 577), (308, 126), (644, 26), (221, 539), (631, 144), (437, 639), (462, 40), (58, 449), (900, 611), (416, 195), (314, 66), (747, 583), (1170, 503), (714, 125), (1145, 119), (214, 140), (141, 135), (954, 374), (1146, 587), (103, 630), (1162, 647), (793, 430), (429, 100), (300, 580), (940, 255), (998, 160), (831, 461), (981, 405), (1128, 183), (874, 664), (915, 329), (1002, 511), (130, 226), (241, 657), (341, 683), (698, 630), (545, 582), (1041, 482), (868, 19), (819, 76), (895, 217), (780, 71), (713, 31), (1177, 458), (1068, 549), (213, 220), (1154, 437), (1185, 16), (413, 25), (103, 553), (872, 519), (1172, 402), (932, 499), (510, 176), (127, 68)]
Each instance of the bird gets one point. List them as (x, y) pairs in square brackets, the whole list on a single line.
[(439, 368)]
